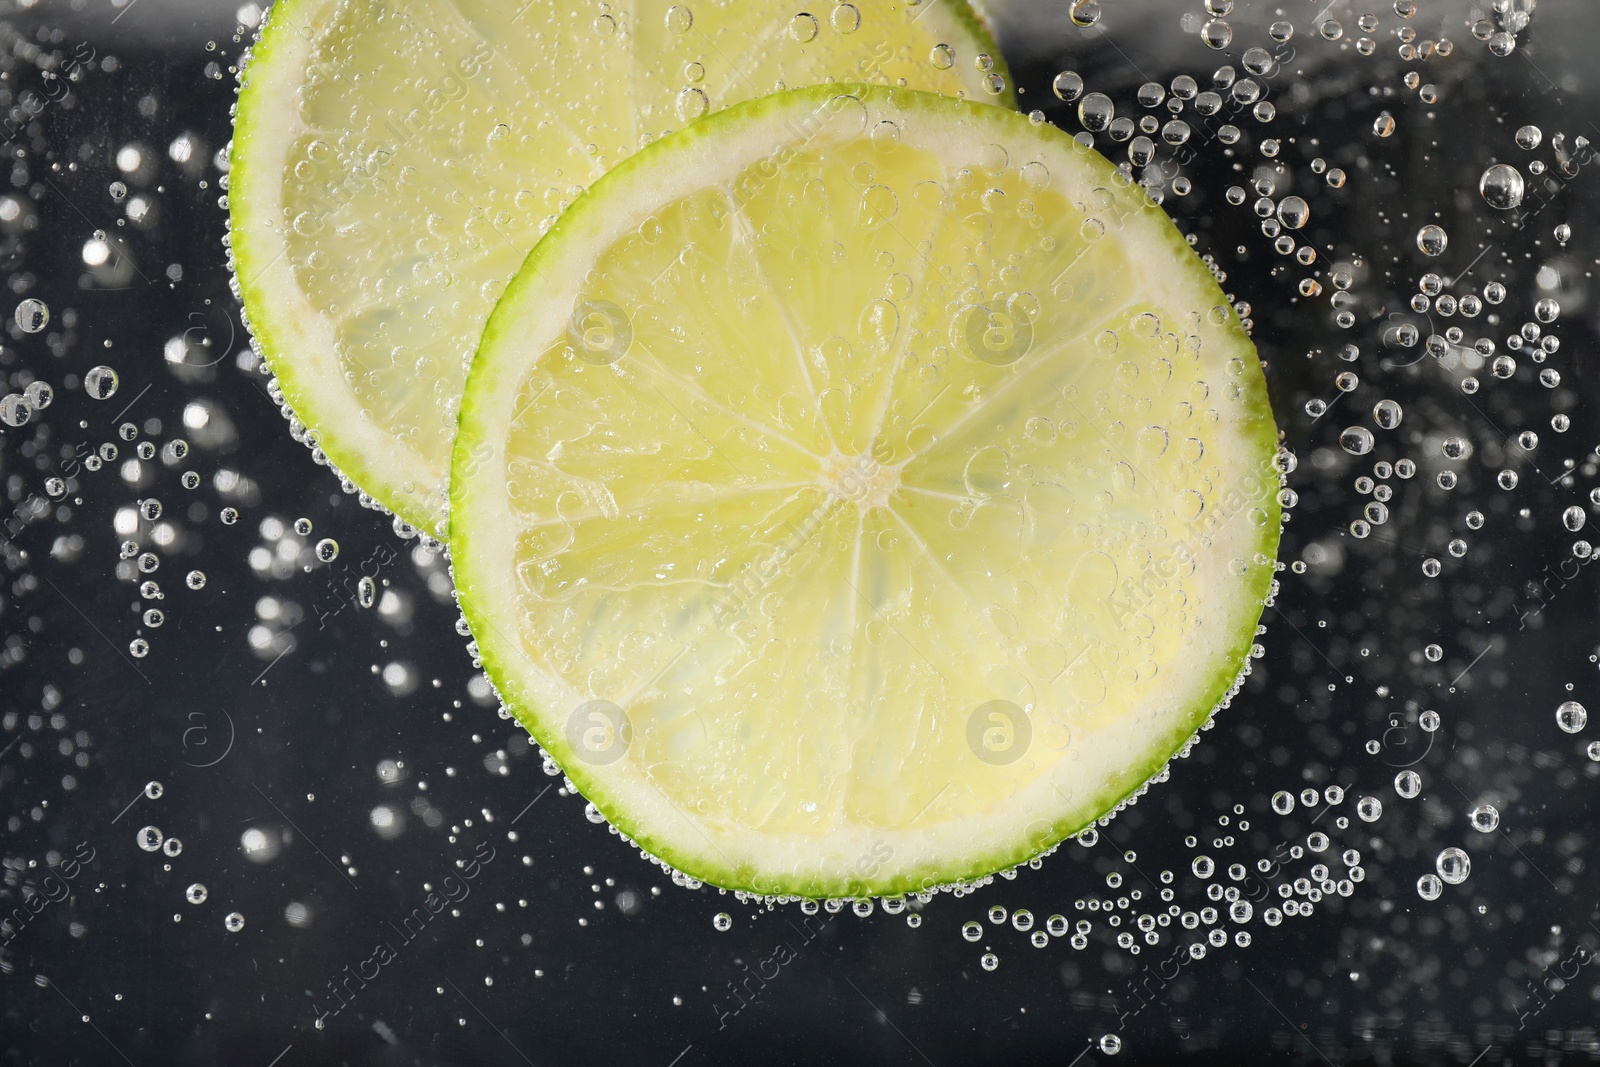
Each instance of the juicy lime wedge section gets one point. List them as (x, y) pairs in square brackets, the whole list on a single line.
[(393, 163), (862, 491)]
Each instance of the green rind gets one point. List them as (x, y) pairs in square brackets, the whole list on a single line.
[(1261, 429), (300, 394)]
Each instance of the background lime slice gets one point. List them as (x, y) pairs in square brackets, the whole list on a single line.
[(862, 491), (392, 165)]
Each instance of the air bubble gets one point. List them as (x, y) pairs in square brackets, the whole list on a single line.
[(1293, 212), (101, 383), (1453, 865), (1356, 440), (1217, 34), (15, 410), (1068, 85), (1432, 240), (1501, 187), (679, 18), (1095, 112), (1572, 716), (32, 315), (39, 395), (691, 104)]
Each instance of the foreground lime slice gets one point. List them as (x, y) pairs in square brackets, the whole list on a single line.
[(861, 491), (393, 163)]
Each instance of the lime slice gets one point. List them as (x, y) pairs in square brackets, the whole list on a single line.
[(862, 491), (393, 163)]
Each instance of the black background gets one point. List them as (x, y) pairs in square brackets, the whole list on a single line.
[(242, 739)]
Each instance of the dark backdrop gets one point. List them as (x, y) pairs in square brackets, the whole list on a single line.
[(324, 764)]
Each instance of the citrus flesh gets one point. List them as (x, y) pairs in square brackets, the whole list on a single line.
[(862, 491), (393, 163)]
